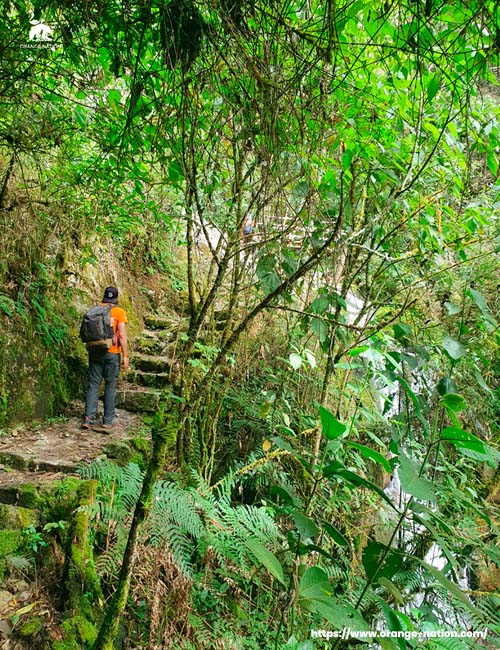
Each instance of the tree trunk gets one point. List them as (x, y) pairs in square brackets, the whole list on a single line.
[(161, 433)]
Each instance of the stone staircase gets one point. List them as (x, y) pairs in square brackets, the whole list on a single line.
[(58, 448), (141, 387)]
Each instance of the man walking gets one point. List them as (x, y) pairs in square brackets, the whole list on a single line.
[(106, 365)]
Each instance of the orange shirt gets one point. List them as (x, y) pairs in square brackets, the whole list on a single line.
[(117, 315)]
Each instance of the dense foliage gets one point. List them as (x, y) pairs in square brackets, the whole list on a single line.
[(329, 171)]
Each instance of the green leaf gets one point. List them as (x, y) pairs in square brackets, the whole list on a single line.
[(411, 482), (463, 439), (335, 534), (446, 385), (314, 585), (481, 381), (368, 452), (320, 328), (311, 359), (401, 331), (492, 162), (380, 561), (453, 348), (175, 173), (454, 402), (391, 589), (433, 86), (478, 299), (452, 309), (114, 98), (264, 410), (266, 272), (266, 558), (356, 481), (320, 304), (342, 615), (331, 427), (306, 527)]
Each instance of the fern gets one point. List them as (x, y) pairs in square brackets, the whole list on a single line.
[(185, 519)]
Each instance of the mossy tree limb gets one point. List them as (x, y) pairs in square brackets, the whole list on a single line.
[(80, 575), (162, 433)]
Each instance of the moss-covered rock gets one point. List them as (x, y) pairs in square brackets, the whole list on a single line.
[(119, 451), (138, 401), (27, 495), (10, 542), (17, 517), (57, 500), (79, 634)]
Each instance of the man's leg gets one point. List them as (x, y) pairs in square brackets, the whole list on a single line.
[(95, 374), (111, 370)]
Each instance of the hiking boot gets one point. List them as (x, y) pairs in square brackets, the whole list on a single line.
[(87, 423), (104, 428)]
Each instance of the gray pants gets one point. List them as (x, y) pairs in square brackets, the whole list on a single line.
[(102, 365)]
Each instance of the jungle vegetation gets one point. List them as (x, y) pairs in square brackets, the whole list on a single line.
[(317, 184)]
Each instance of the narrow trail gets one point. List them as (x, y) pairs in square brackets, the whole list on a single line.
[(42, 452), (36, 457)]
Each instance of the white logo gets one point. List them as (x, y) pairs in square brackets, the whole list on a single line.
[(40, 31)]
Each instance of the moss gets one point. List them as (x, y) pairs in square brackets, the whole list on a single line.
[(82, 588), (10, 542), (58, 501), (13, 460), (4, 515), (80, 629), (27, 495), (119, 451), (142, 445), (17, 517), (31, 627)]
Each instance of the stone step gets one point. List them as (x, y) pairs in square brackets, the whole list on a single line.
[(138, 399), (29, 462), (171, 323), (149, 379), (28, 489), (153, 343), (151, 363)]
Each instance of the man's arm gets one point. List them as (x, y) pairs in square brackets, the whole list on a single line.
[(122, 342)]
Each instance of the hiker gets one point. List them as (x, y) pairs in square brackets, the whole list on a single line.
[(104, 363)]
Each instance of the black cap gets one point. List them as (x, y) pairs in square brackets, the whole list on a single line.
[(111, 295)]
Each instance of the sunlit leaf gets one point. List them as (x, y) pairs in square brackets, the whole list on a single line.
[(453, 348), (331, 427), (411, 482)]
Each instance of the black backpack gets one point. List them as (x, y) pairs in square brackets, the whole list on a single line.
[(96, 329)]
